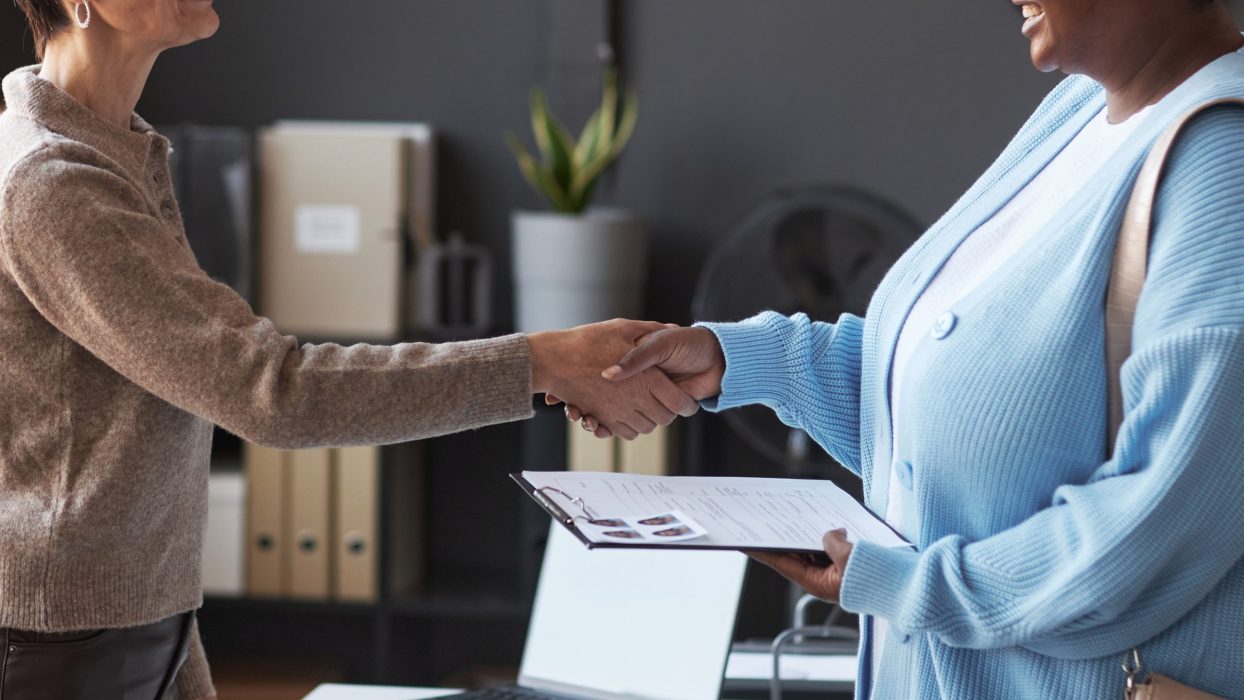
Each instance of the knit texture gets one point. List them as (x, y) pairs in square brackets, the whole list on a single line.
[(119, 353), (1040, 557)]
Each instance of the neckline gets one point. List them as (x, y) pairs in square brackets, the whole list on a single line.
[(29, 95)]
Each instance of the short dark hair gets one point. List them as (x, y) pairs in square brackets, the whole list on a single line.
[(46, 18)]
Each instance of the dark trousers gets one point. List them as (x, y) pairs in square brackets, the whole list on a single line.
[(138, 663)]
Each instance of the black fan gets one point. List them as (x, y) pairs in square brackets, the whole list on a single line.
[(817, 250)]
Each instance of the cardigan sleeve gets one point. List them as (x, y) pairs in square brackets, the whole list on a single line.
[(103, 268), (807, 372), (1115, 561)]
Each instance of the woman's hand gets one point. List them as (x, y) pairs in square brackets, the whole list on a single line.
[(824, 582), (570, 363), (691, 357)]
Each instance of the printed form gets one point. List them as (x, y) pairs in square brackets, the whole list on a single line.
[(734, 512)]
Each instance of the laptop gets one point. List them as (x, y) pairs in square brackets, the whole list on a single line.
[(627, 624)]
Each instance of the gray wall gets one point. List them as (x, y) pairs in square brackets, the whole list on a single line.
[(910, 98)]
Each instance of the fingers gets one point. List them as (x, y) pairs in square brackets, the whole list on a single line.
[(674, 399), (821, 581), (837, 547), (642, 424), (619, 428), (550, 400), (649, 354), (641, 329), (624, 430), (788, 566), (573, 414)]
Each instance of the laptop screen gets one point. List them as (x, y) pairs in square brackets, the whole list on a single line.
[(612, 624)]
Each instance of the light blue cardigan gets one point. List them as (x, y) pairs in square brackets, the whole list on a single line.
[(1042, 559)]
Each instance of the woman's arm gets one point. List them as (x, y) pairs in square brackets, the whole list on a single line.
[(807, 372), (83, 247)]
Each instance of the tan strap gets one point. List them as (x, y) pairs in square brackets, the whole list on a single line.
[(1131, 259), (1160, 687)]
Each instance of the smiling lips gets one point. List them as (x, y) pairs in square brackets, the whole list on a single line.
[(1031, 11)]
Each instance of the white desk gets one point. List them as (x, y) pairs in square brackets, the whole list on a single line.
[(334, 691)]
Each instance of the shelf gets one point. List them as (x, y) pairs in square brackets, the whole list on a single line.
[(461, 606), (292, 607), (433, 607)]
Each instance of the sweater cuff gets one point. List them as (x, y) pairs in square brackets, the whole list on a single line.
[(757, 369), (500, 387), (876, 578)]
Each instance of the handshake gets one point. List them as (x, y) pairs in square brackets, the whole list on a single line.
[(624, 378)]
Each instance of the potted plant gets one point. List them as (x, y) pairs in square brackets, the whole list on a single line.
[(576, 265)]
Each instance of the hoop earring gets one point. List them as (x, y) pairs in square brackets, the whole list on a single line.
[(77, 15)]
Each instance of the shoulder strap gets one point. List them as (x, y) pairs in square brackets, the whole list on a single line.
[(1131, 259)]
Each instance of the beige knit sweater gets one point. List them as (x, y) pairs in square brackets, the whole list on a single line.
[(117, 354)]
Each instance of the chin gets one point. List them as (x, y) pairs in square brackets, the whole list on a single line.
[(1043, 59), (201, 28)]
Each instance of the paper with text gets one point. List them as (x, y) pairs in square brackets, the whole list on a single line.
[(735, 512)]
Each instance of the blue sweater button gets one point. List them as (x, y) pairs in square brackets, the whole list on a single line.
[(944, 325), (902, 470)]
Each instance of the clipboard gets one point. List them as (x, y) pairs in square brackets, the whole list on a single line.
[(570, 510)]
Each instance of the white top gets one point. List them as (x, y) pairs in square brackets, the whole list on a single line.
[(976, 259)]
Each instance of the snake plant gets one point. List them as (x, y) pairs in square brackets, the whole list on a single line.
[(567, 171)]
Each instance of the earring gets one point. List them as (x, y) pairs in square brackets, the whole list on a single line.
[(77, 14)]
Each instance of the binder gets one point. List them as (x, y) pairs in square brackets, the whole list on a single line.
[(265, 520), (356, 491), (213, 174), (307, 549), (646, 454), (418, 182), (333, 212), (404, 493), (587, 453)]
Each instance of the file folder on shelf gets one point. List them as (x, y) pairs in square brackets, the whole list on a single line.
[(416, 193), (333, 208), (646, 454), (265, 521), (587, 453), (356, 491), (307, 545)]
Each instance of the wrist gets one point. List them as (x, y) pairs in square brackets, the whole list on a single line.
[(543, 360), (717, 370)]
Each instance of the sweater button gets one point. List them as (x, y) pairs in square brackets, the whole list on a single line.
[(902, 470), (944, 325)]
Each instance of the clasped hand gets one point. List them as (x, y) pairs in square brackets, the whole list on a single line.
[(625, 378), (664, 372)]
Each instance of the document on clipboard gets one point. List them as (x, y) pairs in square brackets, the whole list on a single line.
[(608, 509)]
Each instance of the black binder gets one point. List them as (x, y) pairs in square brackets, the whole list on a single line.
[(213, 176)]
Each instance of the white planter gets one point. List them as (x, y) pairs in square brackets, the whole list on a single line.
[(572, 270)]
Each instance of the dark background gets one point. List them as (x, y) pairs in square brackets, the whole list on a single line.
[(908, 98)]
